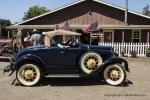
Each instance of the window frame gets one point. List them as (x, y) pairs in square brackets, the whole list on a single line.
[(108, 30), (139, 35)]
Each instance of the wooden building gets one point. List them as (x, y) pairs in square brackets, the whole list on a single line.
[(82, 13)]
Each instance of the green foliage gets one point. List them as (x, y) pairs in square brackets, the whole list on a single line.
[(4, 32), (133, 54), (146, 10), (4, 23), (148, 50), (34, 11)]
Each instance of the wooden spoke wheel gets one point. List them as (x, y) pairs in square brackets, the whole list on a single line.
[(90, 61), (29, 74), (114, 74)]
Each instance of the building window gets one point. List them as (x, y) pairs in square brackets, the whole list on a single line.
[(136, 36), (108, 35)]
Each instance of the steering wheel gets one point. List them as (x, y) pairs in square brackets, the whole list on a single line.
[(69, 42)]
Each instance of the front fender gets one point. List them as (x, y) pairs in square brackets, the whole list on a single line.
[(32, 58), (110, 61), (115, 61)]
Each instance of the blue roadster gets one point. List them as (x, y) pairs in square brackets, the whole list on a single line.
[(34, 63)]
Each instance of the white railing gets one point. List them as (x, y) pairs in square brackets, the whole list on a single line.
[(140, 48)]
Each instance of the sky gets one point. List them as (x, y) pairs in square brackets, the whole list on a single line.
[(14, 9)]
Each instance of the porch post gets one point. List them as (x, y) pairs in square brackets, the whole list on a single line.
[(8, 35), (123, 36), (64, 38), (147, 37)]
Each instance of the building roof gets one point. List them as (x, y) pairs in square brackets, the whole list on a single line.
[(79, 1)]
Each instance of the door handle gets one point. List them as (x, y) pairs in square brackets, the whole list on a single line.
[(62, 52)]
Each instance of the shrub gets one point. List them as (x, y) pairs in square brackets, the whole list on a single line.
[(133, 54), (148, 52)]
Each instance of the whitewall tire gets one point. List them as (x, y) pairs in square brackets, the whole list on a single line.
[(90, 61), (29, 74), (114, 74)]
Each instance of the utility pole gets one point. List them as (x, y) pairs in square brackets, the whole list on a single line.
[(126, 12)]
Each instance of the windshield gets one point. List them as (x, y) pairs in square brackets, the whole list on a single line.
[(65, 42)]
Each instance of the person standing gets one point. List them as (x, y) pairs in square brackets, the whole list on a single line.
[(19, 40), (14, 35), (36, 38)]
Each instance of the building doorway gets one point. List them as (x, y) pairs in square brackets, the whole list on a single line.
[(94, 38)]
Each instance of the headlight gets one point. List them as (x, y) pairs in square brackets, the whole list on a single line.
[(117, 51)]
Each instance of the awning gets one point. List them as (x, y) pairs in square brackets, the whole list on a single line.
[(79, 26)]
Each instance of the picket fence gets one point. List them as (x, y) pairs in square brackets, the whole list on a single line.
[(140, 48)]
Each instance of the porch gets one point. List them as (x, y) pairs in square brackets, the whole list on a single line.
[(108, 33), (139, 48), (125, 35)]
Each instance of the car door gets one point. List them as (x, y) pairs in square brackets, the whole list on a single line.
[(53, 57), (62, 61), (62, 57), (71, 57)]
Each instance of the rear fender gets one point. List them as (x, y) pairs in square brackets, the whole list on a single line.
[(30, 58)]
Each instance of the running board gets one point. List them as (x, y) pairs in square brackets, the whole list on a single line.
[(63, 76)]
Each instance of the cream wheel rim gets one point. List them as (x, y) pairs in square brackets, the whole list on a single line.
[(28, 74), (91, 63), (114, 75)]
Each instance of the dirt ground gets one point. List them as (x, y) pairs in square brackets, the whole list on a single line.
[(136, 88)]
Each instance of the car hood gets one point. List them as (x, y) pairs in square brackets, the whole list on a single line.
[(97, 47)]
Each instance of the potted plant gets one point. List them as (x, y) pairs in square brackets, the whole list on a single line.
[(148, 52), (133, 54)]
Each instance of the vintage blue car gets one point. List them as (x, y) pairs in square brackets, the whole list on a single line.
[(78, 60)]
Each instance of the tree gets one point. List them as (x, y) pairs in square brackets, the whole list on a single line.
[(35, 11), (146, 10), (4, 23)]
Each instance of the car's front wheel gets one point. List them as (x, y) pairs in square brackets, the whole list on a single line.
[(114, 74), (90, 61), (29, 74)]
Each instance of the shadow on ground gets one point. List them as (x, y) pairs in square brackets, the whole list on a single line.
[(72, 82), (76, 82)]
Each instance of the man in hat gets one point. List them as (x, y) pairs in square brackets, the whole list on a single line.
[(18, 40), (36, 38), (14, 35)]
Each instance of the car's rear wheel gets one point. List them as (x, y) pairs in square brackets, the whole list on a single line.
[(90, 61), (29, 74), (114, 74)]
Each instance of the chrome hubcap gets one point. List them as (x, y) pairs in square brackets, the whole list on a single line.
[(29, 74), (91, 63), (114, 74)]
